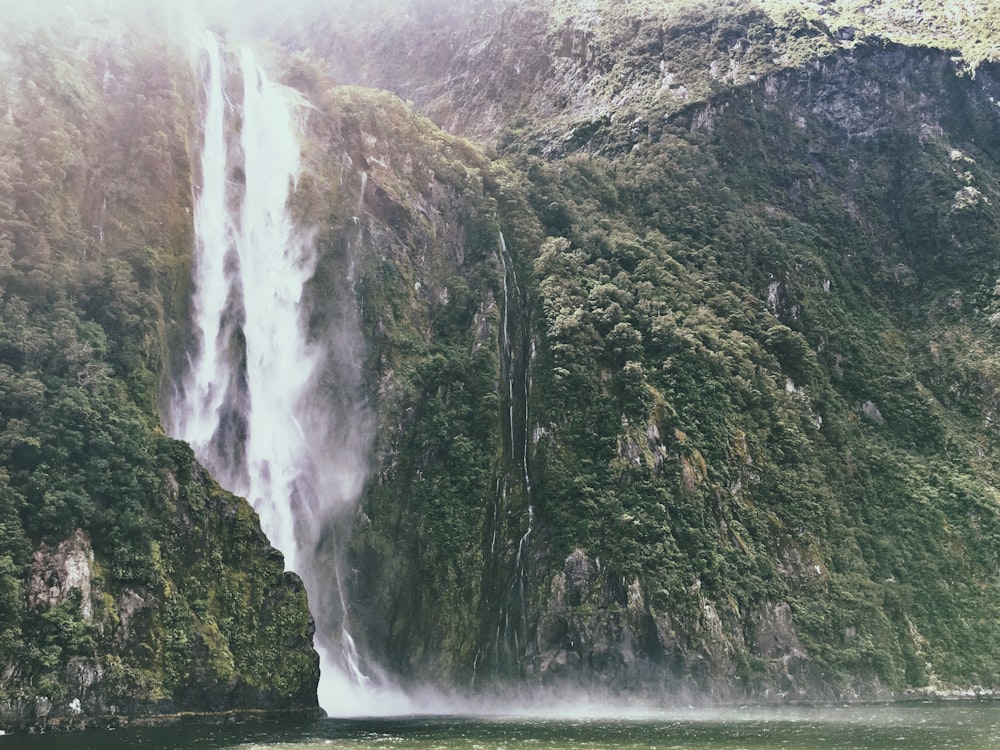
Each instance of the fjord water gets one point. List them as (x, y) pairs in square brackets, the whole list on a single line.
[(968, 726), (256, 403)]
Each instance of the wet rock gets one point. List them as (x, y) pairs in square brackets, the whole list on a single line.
[(56, 571)]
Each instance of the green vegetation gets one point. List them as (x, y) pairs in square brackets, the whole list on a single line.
[(742, 325), (425, 243), (721, 416), (760, 318), (165, 584)]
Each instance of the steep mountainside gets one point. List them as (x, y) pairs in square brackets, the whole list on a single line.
[(130, 582), (747, 374), (543, 74), (683, 378)]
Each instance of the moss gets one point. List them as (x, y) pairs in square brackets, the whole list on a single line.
[(738, 350), (97, 241)]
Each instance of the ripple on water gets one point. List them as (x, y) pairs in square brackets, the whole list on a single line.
[(970, 726)]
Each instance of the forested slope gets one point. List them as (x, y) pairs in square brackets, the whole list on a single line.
[(682, 366), (130, 582), (755, 258)]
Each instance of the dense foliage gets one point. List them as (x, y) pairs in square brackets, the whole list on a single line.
[(756, 333), (128, 578), (690, 383), (744, 325)]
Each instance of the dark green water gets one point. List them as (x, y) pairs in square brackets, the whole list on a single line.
[(969, 726)]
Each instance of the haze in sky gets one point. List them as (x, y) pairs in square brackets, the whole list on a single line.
[(249, 16)]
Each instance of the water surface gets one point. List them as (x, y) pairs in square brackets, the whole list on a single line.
[(969, 726)]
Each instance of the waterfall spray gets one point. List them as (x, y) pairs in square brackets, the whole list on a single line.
[(205, 393), (253, 403)]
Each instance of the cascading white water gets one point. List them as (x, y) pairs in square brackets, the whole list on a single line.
[(250, 403), (508, 269), (274, 266), (508, 265), (205, 393)]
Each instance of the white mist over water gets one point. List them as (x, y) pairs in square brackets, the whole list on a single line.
[(251, 403)]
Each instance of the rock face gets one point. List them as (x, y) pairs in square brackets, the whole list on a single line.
[(603, 632), (130, 583), (691, 389), (217, 626), (694, 449), (55, 573)]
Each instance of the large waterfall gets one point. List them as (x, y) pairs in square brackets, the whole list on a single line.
[(273, 411)]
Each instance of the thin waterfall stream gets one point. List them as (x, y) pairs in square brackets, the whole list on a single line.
[(511, 637), (255, 402)]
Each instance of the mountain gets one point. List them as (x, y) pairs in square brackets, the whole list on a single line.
[(676, 331), (131, 582)]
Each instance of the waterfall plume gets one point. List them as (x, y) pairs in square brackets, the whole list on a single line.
[(273, 409)]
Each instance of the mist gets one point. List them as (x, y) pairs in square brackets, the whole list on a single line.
[(248, 20)]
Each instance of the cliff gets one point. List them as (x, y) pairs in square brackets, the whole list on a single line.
[(728, 460), (131, 583), (682, 378)]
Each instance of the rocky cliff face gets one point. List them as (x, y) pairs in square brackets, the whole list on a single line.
[(781, 158), (729, 462), (689, 388), (131, 584), (202, 632), (539, 75)]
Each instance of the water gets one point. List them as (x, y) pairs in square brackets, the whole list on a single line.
[(273, 409), (969, 726), (515, 362)]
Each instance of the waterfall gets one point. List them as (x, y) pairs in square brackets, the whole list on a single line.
[(205, 393), (508, 267), (515, 364), (256, 402)]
